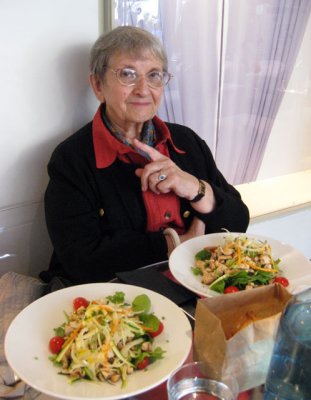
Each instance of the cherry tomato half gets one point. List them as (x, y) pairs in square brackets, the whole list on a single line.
[(158, 331), (231, 289), (80, 302), (56, 344), (281, 280), (143, 363)]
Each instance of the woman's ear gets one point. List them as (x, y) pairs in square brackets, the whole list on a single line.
[(98, 87)]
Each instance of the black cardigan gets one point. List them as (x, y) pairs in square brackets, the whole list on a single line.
[(96, 217)]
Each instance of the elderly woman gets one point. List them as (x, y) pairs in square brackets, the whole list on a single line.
[(127, 188)]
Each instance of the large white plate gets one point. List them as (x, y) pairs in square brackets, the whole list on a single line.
[(26, 343), (294, 265)]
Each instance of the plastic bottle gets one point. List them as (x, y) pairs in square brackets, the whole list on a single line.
[(289, 374)]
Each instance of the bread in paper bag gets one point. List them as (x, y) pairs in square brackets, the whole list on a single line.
[(234, 333)]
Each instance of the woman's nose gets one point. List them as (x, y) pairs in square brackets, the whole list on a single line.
[(141, 85)]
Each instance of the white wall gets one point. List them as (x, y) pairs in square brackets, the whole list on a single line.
[(44, 87), (291, 227), (44, 97)]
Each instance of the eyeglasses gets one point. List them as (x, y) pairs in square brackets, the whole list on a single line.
[(129, 77)]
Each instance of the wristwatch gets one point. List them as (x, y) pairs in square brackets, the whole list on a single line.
[(201, 192)]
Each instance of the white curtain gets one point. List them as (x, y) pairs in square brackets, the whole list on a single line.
[(261, 42), (231, 61), (191, 31)]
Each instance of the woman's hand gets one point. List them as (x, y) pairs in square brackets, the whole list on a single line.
[(162, 175)]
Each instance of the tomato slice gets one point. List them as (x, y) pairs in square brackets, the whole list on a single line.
[(231, 289), (143, 363), (281, 280), (158, 331), (56, 344), (80, 302)]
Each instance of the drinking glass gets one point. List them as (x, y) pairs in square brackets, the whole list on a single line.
[(190, 382)]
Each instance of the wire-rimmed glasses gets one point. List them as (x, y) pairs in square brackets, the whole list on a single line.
[(129, 77)]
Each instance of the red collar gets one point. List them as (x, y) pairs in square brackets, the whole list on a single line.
[(107, 148)]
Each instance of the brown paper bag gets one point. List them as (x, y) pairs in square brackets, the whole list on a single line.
[(234, 334)]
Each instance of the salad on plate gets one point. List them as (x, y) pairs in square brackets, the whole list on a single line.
[(106, 339), (238, 263)]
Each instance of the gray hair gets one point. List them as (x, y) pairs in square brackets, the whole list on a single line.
[(127, 39)]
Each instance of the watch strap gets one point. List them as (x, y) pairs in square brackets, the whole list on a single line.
[(201, 192)]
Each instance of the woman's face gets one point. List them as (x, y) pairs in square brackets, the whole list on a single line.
[(129, 105)]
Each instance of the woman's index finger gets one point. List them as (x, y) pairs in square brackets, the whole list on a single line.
[(152, 153)]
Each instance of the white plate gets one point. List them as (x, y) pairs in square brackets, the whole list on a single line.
[(294, 265), (26, 343)]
